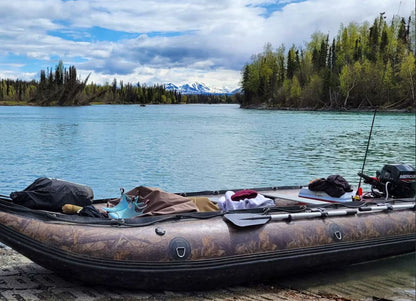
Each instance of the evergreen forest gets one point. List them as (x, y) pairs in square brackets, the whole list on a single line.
[(364, 66), (62, 87)]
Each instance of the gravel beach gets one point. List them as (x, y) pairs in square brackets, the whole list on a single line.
[(23, 280)]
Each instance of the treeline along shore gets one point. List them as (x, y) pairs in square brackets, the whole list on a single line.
[(62, 87), (364, 66)]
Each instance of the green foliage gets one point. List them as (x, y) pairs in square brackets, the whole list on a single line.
[(364, 66), (61, 87), (16, 91)]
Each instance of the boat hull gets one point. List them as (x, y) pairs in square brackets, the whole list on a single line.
[(194, 253)]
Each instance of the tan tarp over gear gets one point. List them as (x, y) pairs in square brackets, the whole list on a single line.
[(160, 202)]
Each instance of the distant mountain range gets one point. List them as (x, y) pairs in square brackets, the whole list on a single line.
[(199, 88)]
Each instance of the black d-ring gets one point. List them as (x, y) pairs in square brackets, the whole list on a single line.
[(336, 232), (179, 248)]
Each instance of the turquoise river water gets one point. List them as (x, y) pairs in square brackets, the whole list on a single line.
[(194, 147)]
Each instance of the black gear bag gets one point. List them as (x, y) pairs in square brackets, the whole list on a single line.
[(52, 194)]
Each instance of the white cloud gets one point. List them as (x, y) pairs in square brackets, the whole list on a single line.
[(175, 41)]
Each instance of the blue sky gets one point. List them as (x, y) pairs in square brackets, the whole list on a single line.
[(168, 41)]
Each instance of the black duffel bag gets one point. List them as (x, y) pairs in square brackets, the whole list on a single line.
[(52, 194)]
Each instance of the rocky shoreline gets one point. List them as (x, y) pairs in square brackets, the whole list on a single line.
[(23, 280)]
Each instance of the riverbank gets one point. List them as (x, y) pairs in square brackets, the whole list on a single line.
[(326, 109), (387, 279), (21, 279), (250, 107)]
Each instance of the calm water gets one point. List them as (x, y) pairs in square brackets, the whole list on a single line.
[(193, 147), (201, 147)]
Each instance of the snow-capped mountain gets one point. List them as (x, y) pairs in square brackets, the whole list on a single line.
[(199, 88)]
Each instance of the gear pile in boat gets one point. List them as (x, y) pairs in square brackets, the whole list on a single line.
[(334, 185), (394, 180), (71, 198)]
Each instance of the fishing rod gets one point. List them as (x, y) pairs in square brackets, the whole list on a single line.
[(366, 151)]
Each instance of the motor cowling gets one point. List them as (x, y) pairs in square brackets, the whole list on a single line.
[(399, 180)]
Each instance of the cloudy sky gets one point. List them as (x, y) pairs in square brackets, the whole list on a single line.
[(167, 41)]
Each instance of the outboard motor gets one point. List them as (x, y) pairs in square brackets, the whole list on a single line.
[(394, 180), (399, 180)]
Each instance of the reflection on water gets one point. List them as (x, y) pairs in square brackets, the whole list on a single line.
[(391, 279)]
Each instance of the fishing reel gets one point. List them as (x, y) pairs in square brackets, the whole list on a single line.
[(394, 180)]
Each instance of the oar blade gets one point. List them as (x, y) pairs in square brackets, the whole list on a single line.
[(247, 219)]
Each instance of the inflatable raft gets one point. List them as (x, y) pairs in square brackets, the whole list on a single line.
[(200, 250)]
